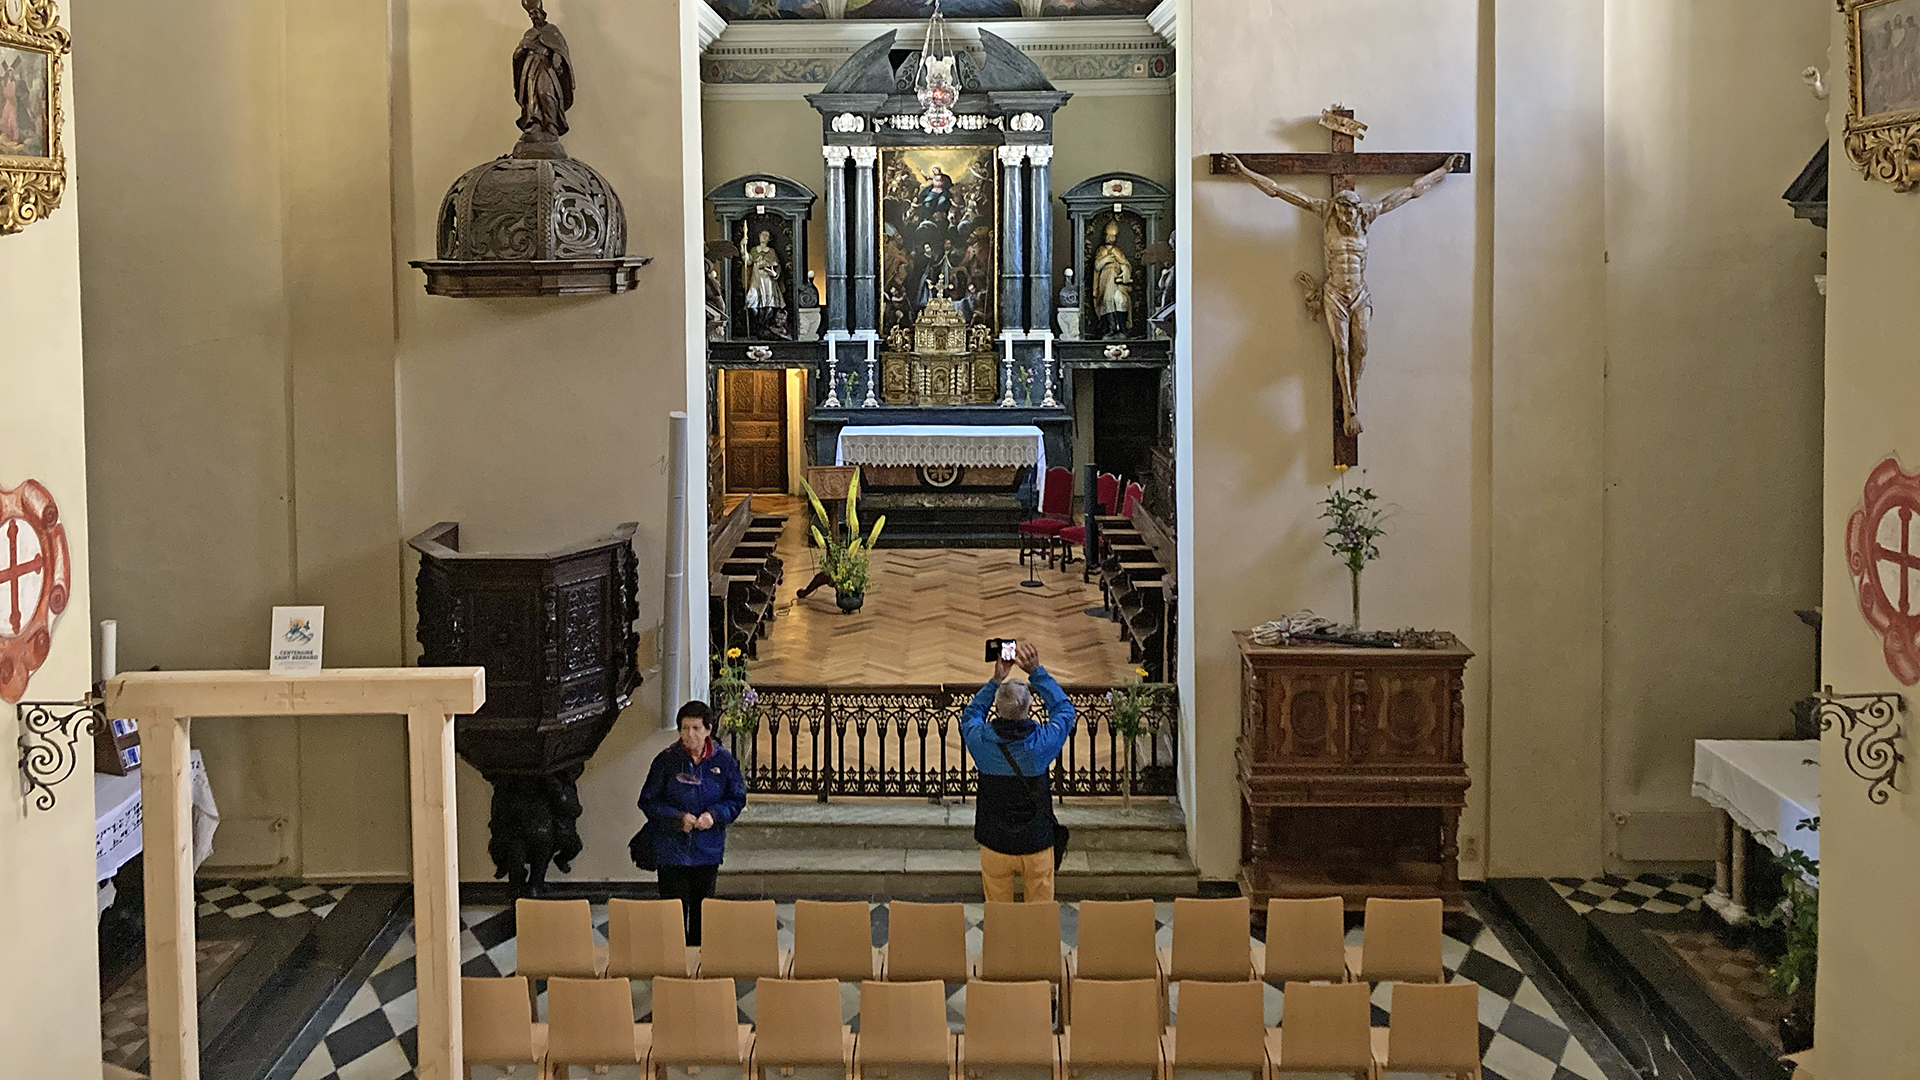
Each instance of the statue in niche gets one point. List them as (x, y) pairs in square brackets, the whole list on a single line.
[(543, 84), (1342, 300), (1113, 286), (766, 306)]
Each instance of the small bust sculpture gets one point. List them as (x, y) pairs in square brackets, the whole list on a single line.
[(543, 84), (809, 293), (1070, 292)]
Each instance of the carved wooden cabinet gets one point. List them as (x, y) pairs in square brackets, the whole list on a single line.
[(1351, 771), (555, 633)]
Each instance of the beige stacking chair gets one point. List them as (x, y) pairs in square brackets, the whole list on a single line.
[(927, 941), (797, 1033), (1306, 941), (1434, 1033), (1021, 943), (904, 1033), (834, 940), (1324, 1034), (555, 938), (647, 938), (1116, 942), (1008, 1034), (1212, 940), (696, 1030), (740, 939), (1118, 1027), (1400, 942), (1221, 1032), (591, 1032), (502, 1042)]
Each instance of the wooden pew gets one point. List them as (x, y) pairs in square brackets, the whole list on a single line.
[(743, 575), (1138, 577)]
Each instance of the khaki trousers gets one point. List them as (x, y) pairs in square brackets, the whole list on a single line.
[(1035, 870)]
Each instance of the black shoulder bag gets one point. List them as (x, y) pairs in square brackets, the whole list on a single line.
[(1060, 833)]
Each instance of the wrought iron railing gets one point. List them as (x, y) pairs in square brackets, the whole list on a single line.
[(904, 741)]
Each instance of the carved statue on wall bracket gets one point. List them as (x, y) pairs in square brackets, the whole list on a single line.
[(543, 84)]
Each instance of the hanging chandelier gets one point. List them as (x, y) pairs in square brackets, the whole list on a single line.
[(937, 83)]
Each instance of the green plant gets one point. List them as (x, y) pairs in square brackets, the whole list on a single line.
[(1355, 521), (1136, 712), (734, 696), (844, 556), (1799, 913)]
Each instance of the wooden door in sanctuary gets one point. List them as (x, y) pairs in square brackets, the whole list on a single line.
[(756, 431)]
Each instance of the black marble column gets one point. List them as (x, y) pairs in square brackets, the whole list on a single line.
[(1040, 262), (1013, 254), (837, 236), (866, 243)]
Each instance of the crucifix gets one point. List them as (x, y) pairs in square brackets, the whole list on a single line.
[(1341, 299)]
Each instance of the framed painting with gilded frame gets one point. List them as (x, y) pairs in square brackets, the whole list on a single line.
[(33, 162), (1883, 82)]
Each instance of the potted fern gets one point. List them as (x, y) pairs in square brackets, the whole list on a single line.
[(845, 555)]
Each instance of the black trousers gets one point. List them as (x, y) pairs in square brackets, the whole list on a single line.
[(689, 885)]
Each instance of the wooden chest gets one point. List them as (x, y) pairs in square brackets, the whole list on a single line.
[(1351, 771)]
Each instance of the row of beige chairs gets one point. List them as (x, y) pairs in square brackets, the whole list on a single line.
[(1212, 940), (904, 1034)]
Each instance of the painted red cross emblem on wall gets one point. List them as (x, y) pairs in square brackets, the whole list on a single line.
[(13, 575), (1883, 558), (36, 580)]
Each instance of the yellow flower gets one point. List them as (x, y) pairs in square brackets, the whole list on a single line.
[(1140, 671), (734, 654)]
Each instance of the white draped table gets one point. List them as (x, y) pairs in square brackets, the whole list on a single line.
[(116, 822), (911, 445), (1766, 788)]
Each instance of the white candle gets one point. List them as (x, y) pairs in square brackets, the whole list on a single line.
[(109, 649)]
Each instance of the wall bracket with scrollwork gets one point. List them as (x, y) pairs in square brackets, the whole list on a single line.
[(33, 157), (50, 734), (1868, 725)]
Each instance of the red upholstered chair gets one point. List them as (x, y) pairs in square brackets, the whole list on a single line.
[(1074, 537), (1106, 492), (1056, 513)]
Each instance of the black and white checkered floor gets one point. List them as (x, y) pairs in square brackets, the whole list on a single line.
[(1522, 1036), (280, 899), (1653, 893)]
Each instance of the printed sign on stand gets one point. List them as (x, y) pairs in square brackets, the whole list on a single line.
[(297, 632)]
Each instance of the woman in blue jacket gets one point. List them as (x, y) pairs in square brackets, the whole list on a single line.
[(693, 792)]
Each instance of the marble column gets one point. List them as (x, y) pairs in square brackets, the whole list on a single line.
[(837, 236), (866, 243), (1013, 255), (1040, 261)]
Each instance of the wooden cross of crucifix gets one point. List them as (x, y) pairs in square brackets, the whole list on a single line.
[(1341, 299)]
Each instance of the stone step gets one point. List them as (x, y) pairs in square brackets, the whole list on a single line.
[(879, 873), (1151, 825)]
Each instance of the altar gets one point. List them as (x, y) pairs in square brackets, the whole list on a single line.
[(1766, 788), (944, 446)]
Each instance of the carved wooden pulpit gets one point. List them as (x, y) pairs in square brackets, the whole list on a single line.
[(1351, 771), (555, 634)]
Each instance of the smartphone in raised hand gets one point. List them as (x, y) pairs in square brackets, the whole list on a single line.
[(1000, 649)]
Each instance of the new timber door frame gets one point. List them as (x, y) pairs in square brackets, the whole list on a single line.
[(755, 430)]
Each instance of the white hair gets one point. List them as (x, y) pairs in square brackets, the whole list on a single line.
[(1013, 700)]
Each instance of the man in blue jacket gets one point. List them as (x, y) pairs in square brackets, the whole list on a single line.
[(1013, 813)]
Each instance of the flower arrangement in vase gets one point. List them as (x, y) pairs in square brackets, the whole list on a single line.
[(1355, 522), (1136, 713)]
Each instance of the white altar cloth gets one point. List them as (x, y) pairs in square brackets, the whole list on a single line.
[(979, 445), (1765, 786), (116, 819)]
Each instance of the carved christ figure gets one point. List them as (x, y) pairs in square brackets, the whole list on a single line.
[(1341, 300), (542, 78)]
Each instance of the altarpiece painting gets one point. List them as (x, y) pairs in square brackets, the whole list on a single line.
[(938, 235), (33, 165)]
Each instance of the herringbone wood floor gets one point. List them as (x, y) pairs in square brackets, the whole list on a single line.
[(928, 612)]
